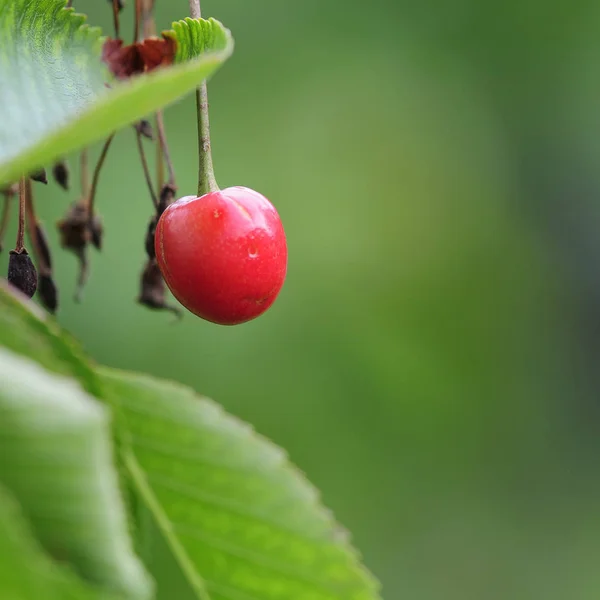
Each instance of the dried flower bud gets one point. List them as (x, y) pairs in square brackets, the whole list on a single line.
[(60, 172), (120, 4), (43, 248), (21, 272), (150, 251), (153, 289), (75, 235), (40, 176), (48, 292), (96, 232), (144, 127), (167, 195), (73, 229)]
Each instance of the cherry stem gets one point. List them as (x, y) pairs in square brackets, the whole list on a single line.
[(115, 7), (160, 166), (99, 164), (5, 215), (21, 229), (84, 172), (147, 175), (32, 226), (148, 27), (206, 175), (162, 140), (138, 16)]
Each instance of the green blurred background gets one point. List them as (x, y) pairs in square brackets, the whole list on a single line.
[(431, 362)]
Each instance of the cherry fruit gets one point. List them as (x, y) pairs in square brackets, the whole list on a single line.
[(223, 255)]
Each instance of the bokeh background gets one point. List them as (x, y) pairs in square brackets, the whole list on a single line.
[(432, 362)]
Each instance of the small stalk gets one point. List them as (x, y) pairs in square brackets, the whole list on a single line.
[(41, 251), (160, 165), (148, 26), (206, 175), (147, 175), (8, 196), (84, 173), (137, 19), (20, 245), (162, 140), (92, 195), (115, 7)]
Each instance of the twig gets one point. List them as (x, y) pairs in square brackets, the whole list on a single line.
[(160, 165), (92, 196), (138, 17), (162, 140), (147, 175), (5, 215), (84, 173), (21, 230), (115, 7)]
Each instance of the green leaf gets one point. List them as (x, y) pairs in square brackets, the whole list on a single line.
[(29, 331), (241, 521), (56, 459), (52, 82), (213, 498), (26, 573)]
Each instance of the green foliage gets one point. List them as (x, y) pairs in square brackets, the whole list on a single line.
[(26, 572), (53, 89), (237, 519), (196, 36), (56, 458), (229, 500)]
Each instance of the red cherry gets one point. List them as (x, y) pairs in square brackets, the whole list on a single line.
[(223, 255)]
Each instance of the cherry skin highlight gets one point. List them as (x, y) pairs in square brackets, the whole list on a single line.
[(223, 255)]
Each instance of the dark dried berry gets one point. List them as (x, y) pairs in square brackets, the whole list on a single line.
[(40, 176), (153, 289), (21, 272), (60, 172), (144, 127), (48, 292)]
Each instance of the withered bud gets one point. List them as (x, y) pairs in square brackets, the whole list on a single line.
[(120, 4), (150, 251), (73, 229), (21, 272), (144, 127), (48, 292), (167, 195), (40, 176), (43, 248), (153, 289), (75, 235), (60, 172), (96, 231)]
